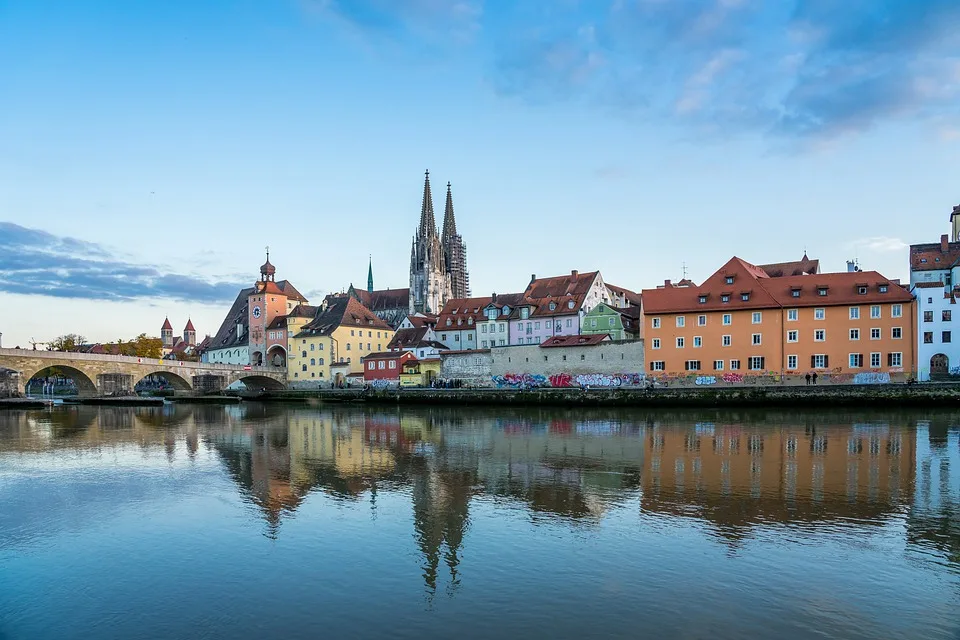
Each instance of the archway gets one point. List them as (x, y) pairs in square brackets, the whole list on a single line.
[(939, 365), (60, 380), (277, 357), (256, 383), (161, 381), (256, 358)]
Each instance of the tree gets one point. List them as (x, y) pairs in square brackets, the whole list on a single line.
[(68, 342), (140, 347)]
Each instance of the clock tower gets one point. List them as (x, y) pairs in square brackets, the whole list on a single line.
[(264, 304)]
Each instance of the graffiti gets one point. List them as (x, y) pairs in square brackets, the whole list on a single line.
[(598, 380), (732, 378), (519, 381), (380, 384), (706, 380), (871, 378), (838, 378), (561, 380), (955, 371)]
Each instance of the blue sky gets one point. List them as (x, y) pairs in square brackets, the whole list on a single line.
[(149, 151)]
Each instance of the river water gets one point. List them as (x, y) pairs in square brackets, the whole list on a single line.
[(273, 521)]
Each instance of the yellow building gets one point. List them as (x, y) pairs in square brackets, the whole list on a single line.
[(342, 332), (420, 373)]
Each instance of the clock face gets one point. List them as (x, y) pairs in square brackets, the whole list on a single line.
[(256, 312)]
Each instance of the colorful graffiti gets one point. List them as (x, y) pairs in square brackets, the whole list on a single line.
[(871, 377), (519, 381), (706, 380), (381, 384), (732, 378), (561, 380)]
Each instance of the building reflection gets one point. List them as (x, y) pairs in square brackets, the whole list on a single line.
[(732, 473)]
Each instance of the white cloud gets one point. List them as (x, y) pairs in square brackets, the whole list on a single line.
[(879, 244)]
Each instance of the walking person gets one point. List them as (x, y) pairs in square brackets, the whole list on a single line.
[(808, 379), (814, 377)]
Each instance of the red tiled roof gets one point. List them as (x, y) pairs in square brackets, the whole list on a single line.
[(389, 355), (796, 268), (460, 310), (290, 291), (189, 326), (575, 341), (384, 299), (936, 284), (204, 344), (343, 310), (303, 311), (632, 297), (422, 320), (166, 324), (560, 290), (462, 351), (407, 338), (280, 322), (931, 257), (765, 292)]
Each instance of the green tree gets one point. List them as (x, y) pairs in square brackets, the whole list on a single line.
[(68, 342)]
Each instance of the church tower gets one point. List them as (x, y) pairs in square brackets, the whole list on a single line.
[(370, 276), (166, 333), (429, 278), (455, 252), (190, 334)]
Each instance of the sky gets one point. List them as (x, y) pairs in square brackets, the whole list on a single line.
[(150, 151)]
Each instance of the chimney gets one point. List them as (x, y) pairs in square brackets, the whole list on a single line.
[(944, 244), (533, 277), (573, 275), (494, 296), (851, 266), (666, 284)]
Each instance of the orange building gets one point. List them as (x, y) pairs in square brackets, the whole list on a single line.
[(748, 320)]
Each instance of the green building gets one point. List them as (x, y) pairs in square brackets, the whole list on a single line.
[(619, 324)]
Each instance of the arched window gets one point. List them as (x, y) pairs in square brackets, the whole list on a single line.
[(313, 362)]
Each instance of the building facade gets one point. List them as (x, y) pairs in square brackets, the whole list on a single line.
[(438, 267), (853, 326), (554, 306), (386, 366), (934, 273), (618, 323), (494, 327), (457, 323)]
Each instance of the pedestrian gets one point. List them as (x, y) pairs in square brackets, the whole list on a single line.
[(808, 379), (814, 377)]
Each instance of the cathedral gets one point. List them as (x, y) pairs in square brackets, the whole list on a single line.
[(438, 259)]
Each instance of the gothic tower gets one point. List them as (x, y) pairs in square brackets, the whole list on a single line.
[(370, 275), (455, 252), (166, 333), (429, 278)]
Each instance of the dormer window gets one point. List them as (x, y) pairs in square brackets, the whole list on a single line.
[(703, 299), (470, 320), (449, 322), (506, 310), (459, 322), (570, 305), (553, 306), (923, 260), (883, 288), (729, 279), (821, 291), (725, 298), (795, 293), (745, 297), (524, 313), (862, 290)]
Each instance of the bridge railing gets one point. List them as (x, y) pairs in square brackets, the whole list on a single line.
[(102, 357)]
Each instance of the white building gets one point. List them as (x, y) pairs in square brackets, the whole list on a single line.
[(934, 271)]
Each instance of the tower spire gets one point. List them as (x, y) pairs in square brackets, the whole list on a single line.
[(449, 221), (428, 225), (370, 275)]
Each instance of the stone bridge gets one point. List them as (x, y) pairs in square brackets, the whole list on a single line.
[(98, 375)]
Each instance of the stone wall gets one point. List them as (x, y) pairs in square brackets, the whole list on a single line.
[(472, 368), (9, 387), (608, 364)]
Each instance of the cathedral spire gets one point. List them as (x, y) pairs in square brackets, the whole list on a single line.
[(428, 225), (370, 275), (449, 221)]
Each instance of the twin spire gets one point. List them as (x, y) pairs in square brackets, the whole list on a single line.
[(428, 223)]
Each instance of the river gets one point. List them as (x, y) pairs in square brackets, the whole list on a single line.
[(279, 521)]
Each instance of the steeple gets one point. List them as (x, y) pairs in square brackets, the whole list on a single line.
[(370, 276), (428, 224), (449, 221)]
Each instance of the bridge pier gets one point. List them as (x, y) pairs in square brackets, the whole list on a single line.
[(115, 384), (209, 383)]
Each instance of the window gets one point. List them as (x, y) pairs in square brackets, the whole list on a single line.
[(348, 346), (703, 299), (874, 360), (756, 363), (757, 317), (745, 296), (657, 365), (793, 314), (655, 323), (895, 359), (304, 367), (945, 336), (725, 298), (679, 343), (380, 365), (791, 362), (718, 365), (854, 334), (351, 332), (729, 279), (819, 361), (928, 337), (655, 343), (819, 335), (393, 364), (697, 341), (793, 335), (896, 333), (875, 311), (819, 314), (701, 321), (821, 291), (312, 345), (692, 365), (681, 321), (875, 333), (854, 313), (883, 288), (861, 291), (727, 319), (483, 328), (734, 365), (727, 341), (946, 315), (456, 338), (536, 325), (896, 311), (756, 338), (303, 354), (795, 293), (524, 313), (856, 360), (313, 361), (928, 316), (483, 344)]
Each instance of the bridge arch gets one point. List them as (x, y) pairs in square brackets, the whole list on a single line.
[(85, 386), (277, 356), (174, 380), (256, 382)]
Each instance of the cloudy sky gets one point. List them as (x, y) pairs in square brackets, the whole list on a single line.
[(150, 151)]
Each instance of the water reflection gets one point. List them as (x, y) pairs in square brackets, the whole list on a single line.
[(733, 475)]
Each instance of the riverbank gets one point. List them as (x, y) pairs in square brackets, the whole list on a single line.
[(919, 395)]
